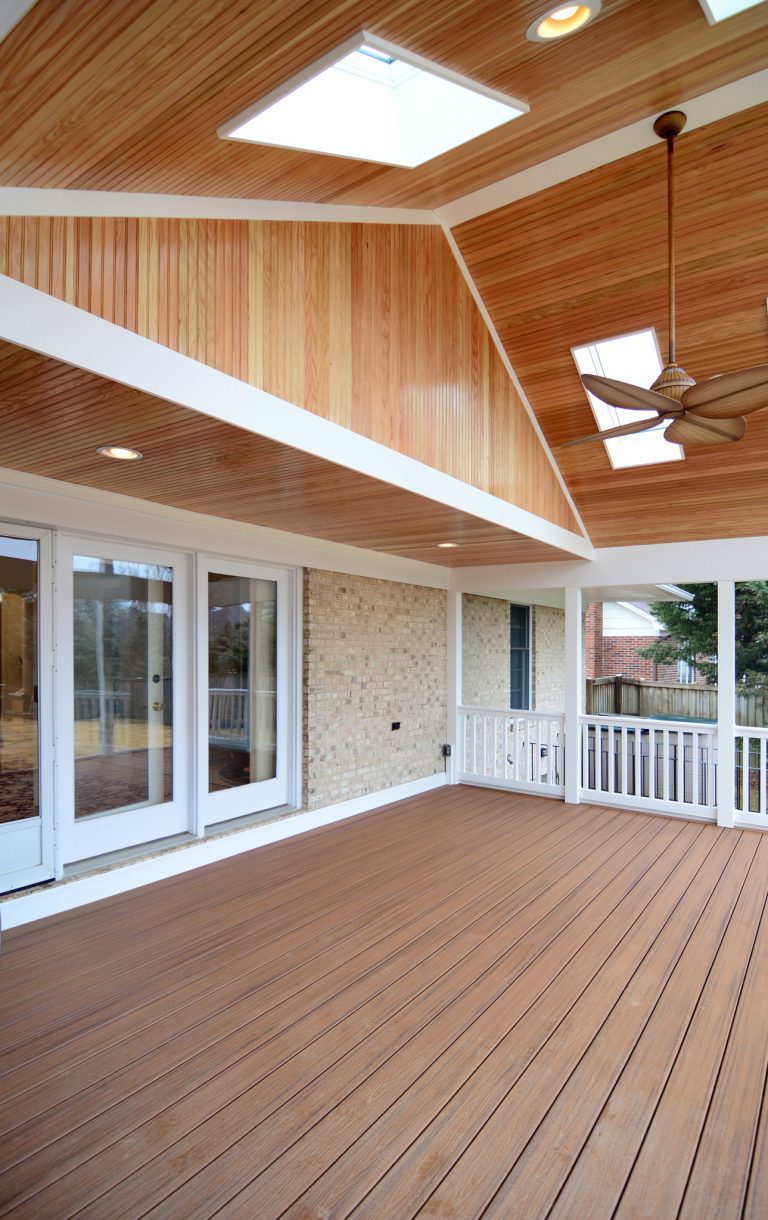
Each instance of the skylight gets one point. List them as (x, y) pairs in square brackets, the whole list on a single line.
[(718, 10), (373, 101), (634, 358)]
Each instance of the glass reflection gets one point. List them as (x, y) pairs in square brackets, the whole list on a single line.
[(123, 685), (19, 734), (242, 670)]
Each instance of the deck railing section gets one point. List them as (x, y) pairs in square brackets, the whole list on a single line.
[(750, 787), (512, 749), (655, 764)]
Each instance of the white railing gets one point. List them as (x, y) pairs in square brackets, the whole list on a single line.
[(512, 749), (654, 764), (750, 780), (228, 714)]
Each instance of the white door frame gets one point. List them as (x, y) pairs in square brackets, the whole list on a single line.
[(106, 832), (30, 843), (215, 807)]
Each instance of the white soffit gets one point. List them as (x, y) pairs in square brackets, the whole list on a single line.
[(707, 108), (720, 10)]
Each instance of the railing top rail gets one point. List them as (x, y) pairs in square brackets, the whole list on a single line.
[(750, 730), (510, 711), (648, 722)]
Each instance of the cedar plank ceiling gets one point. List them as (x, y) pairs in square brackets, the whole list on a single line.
[(55, 416), (127, 96), (586, 260)]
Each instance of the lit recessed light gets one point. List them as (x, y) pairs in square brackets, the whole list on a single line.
[(565, 19), (119, 453), (374, 101), (447, 545)]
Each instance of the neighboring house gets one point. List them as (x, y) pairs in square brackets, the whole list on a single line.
[(614, 633)]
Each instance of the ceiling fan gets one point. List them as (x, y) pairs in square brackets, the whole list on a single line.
[(703, 414)]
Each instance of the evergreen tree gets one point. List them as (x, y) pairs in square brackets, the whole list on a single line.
[(691, 629)]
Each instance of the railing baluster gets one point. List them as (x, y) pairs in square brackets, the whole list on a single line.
[(762, 775), (695, 755)]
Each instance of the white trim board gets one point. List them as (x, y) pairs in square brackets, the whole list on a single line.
[(11, 14), (119, 879), (497, 343), (653, 564), (39, 201), (44, 324), (706, 108)]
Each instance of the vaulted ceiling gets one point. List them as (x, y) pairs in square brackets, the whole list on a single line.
[(127, 98)]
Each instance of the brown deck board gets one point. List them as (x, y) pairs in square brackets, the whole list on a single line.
[(471, 1002)]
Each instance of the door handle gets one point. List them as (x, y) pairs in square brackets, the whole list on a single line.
[(157, 707)]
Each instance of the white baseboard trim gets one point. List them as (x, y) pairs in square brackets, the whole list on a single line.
[(78, 891)]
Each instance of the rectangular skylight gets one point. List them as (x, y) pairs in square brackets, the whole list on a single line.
[(718, 10), (373, 101), (634, 358)]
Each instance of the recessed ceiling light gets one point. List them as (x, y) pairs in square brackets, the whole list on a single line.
[(446, 545), (565, 19), (374, 101), (119, 453)]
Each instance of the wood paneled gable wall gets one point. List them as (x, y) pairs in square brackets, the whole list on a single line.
[(371, 326)]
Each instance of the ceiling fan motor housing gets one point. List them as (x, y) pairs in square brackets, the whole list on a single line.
[(672, 382)]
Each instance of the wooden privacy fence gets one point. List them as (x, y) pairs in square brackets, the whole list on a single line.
[(621, 696)]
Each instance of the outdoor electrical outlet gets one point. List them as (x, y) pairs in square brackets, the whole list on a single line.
[(395, 724)]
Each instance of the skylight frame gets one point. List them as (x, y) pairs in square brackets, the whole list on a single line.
[(364, 40), (741, 6), (607, 417)]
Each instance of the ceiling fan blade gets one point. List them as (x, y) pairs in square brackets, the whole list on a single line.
[(623, 394), (693, 430), (643, 425), (733, 394)]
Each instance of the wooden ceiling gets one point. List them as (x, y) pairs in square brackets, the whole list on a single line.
[(128, 96), (56, 416), (586, 260)]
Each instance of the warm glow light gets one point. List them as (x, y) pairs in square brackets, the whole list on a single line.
[(565, 19), (119, 453), (447, 544)]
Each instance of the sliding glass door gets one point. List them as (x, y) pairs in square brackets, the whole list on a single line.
[(126, 702), (244, 706), (26, 792)]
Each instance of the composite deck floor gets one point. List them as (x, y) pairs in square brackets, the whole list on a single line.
[(471, 1003)]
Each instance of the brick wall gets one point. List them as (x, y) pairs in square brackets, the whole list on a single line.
[(374, 652), (485, 651), (548, 640), (620, 656)]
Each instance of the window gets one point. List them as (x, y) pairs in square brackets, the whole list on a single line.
[(520, 657)]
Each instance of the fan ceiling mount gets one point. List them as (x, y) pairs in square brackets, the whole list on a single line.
[(705, 414)]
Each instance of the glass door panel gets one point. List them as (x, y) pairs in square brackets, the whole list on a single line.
[(123, 693), (120, 716), (242, 676), (24, 814), (245, 716)]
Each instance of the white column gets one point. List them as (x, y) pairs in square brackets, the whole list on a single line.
[(726, 698), (573, 685), (453, 736)]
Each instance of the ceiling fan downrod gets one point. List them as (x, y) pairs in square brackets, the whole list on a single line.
[(673, 380)]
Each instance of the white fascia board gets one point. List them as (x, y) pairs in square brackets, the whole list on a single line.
[(706, 108), (11, 13), (657, 563), (37, 201), (637, 610), (31, 499), (54, 328)]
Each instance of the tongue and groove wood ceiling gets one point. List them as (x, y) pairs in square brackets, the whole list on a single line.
[(128, 96)]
